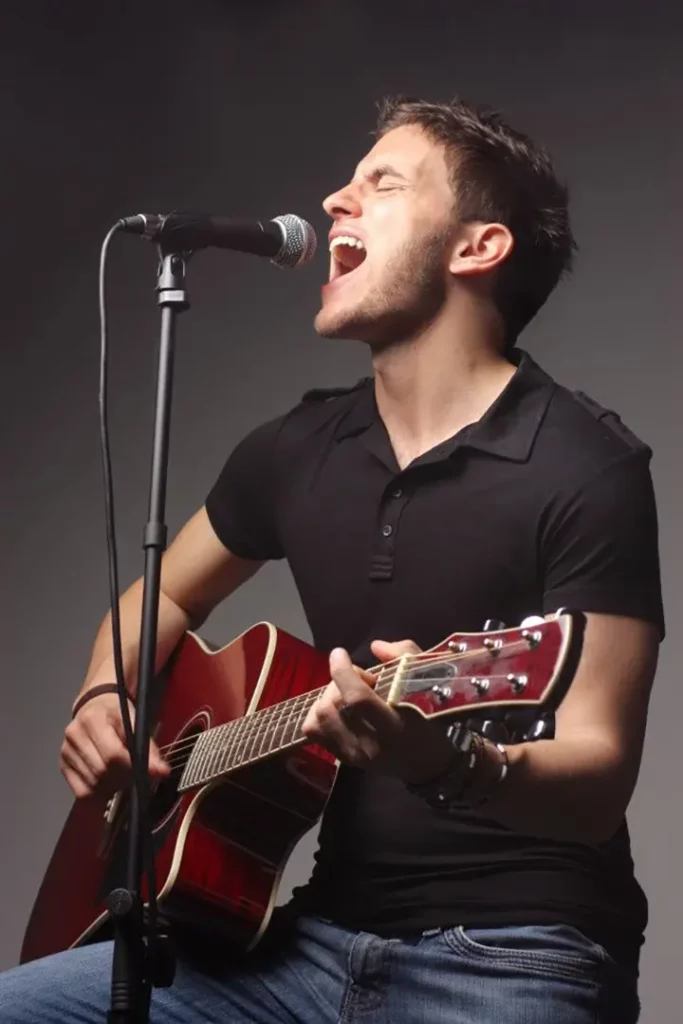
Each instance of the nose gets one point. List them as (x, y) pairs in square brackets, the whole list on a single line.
[(343, 203)]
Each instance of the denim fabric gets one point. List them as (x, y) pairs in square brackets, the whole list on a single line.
[(323, 974)]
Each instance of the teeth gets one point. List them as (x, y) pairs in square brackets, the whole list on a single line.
[(354, 243)]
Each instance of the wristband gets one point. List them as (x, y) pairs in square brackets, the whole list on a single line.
[(96, 691)]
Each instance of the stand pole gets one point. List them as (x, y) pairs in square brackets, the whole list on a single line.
[(136, 967)]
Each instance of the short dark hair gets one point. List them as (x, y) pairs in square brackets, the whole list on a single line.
[(500, 175)]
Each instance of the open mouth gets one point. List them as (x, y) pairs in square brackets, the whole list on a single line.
[(347, 253)]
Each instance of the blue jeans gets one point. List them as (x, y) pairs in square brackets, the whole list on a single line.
[(322, 974)]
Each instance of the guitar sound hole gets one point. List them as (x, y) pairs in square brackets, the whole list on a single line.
[(166, 794)]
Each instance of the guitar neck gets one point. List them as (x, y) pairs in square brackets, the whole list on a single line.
[(262, 734), (466, 673)]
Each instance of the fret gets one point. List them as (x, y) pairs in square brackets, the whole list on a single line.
[(233, 760), (191, 774), (204, 756), (254, 736), (207, 763), (227, 731), (217, 751), (264, 731), (289, 727), (242, 728), (299, 720), (277, 725)]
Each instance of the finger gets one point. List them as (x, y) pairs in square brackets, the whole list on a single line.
[(324, 716), (76, 784), (89, 753), (157, 765), (73, 760), (110, 740), (387, 651), (366, 708), (327, 723), (107, 740)]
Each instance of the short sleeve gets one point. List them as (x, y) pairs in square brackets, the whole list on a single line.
[(241, 505), (599, 547)]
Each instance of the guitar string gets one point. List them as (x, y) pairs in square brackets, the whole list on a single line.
[(261, 719), (284, 723), (253, 730), (425, 658), (250, 737)]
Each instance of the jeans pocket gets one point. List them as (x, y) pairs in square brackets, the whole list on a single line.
[(548, 949)]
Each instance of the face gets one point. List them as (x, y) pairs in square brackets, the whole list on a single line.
[(390, 242)]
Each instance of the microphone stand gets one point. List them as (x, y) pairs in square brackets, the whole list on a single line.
[(138, 965)]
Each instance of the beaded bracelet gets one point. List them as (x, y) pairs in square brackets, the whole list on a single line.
[(502, 773), (439, 792)]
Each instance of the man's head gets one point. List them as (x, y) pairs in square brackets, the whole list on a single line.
[(449, 198)]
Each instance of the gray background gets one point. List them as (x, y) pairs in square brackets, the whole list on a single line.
[(254, 111)]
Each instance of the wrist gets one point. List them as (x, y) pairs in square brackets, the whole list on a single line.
[(492, 766), (472, 774), (444, 788), (98, 690)]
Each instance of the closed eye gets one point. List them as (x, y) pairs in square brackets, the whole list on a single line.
[(388, 186), (386, 179)]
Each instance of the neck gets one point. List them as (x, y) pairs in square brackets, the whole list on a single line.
[(432, 385)]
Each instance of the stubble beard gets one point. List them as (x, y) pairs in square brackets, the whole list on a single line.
[(410, 296)]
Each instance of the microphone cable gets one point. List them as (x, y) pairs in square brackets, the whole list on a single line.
[(139, 774)]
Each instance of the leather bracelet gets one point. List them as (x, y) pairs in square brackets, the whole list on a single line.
[(445, 790), (503, 769), (96, 691), (451, 787)]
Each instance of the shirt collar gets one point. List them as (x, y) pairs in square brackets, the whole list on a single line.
[(507, 429)]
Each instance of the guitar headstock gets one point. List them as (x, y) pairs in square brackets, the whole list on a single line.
[(528, 666)]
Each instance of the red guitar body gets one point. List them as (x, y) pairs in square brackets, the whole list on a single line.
[(222, 849), (226, 820)]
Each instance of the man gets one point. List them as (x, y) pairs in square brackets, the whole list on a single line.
[(458, 484)]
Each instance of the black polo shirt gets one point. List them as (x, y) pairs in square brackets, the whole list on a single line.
[(545, 502)]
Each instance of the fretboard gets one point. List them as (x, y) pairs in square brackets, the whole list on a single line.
[(262, 734)]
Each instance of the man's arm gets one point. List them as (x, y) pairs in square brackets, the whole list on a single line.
[(577, 786), (197, 573), (598, 552), (573, 788)]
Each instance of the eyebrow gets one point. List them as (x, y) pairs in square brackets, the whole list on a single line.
[(381, 170)]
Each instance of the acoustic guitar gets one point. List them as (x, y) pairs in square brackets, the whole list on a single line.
[(246, 784)]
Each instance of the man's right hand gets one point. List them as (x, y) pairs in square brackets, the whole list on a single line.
[(94, 756)]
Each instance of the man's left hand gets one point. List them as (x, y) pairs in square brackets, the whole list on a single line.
[(360, 729)]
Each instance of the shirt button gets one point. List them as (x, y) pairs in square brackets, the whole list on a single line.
[(387, 530), (398, 493)]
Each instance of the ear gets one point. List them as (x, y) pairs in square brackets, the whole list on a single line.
[(480, 248)]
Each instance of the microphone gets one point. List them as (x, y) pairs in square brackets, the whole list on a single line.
[(288, 240)]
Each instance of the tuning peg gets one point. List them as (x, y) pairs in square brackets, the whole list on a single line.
[(493, 625)]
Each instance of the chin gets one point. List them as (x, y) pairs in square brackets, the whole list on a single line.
[(380, 331), (330, 323)]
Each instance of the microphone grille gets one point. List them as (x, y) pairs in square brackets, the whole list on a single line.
[(299, 241)]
